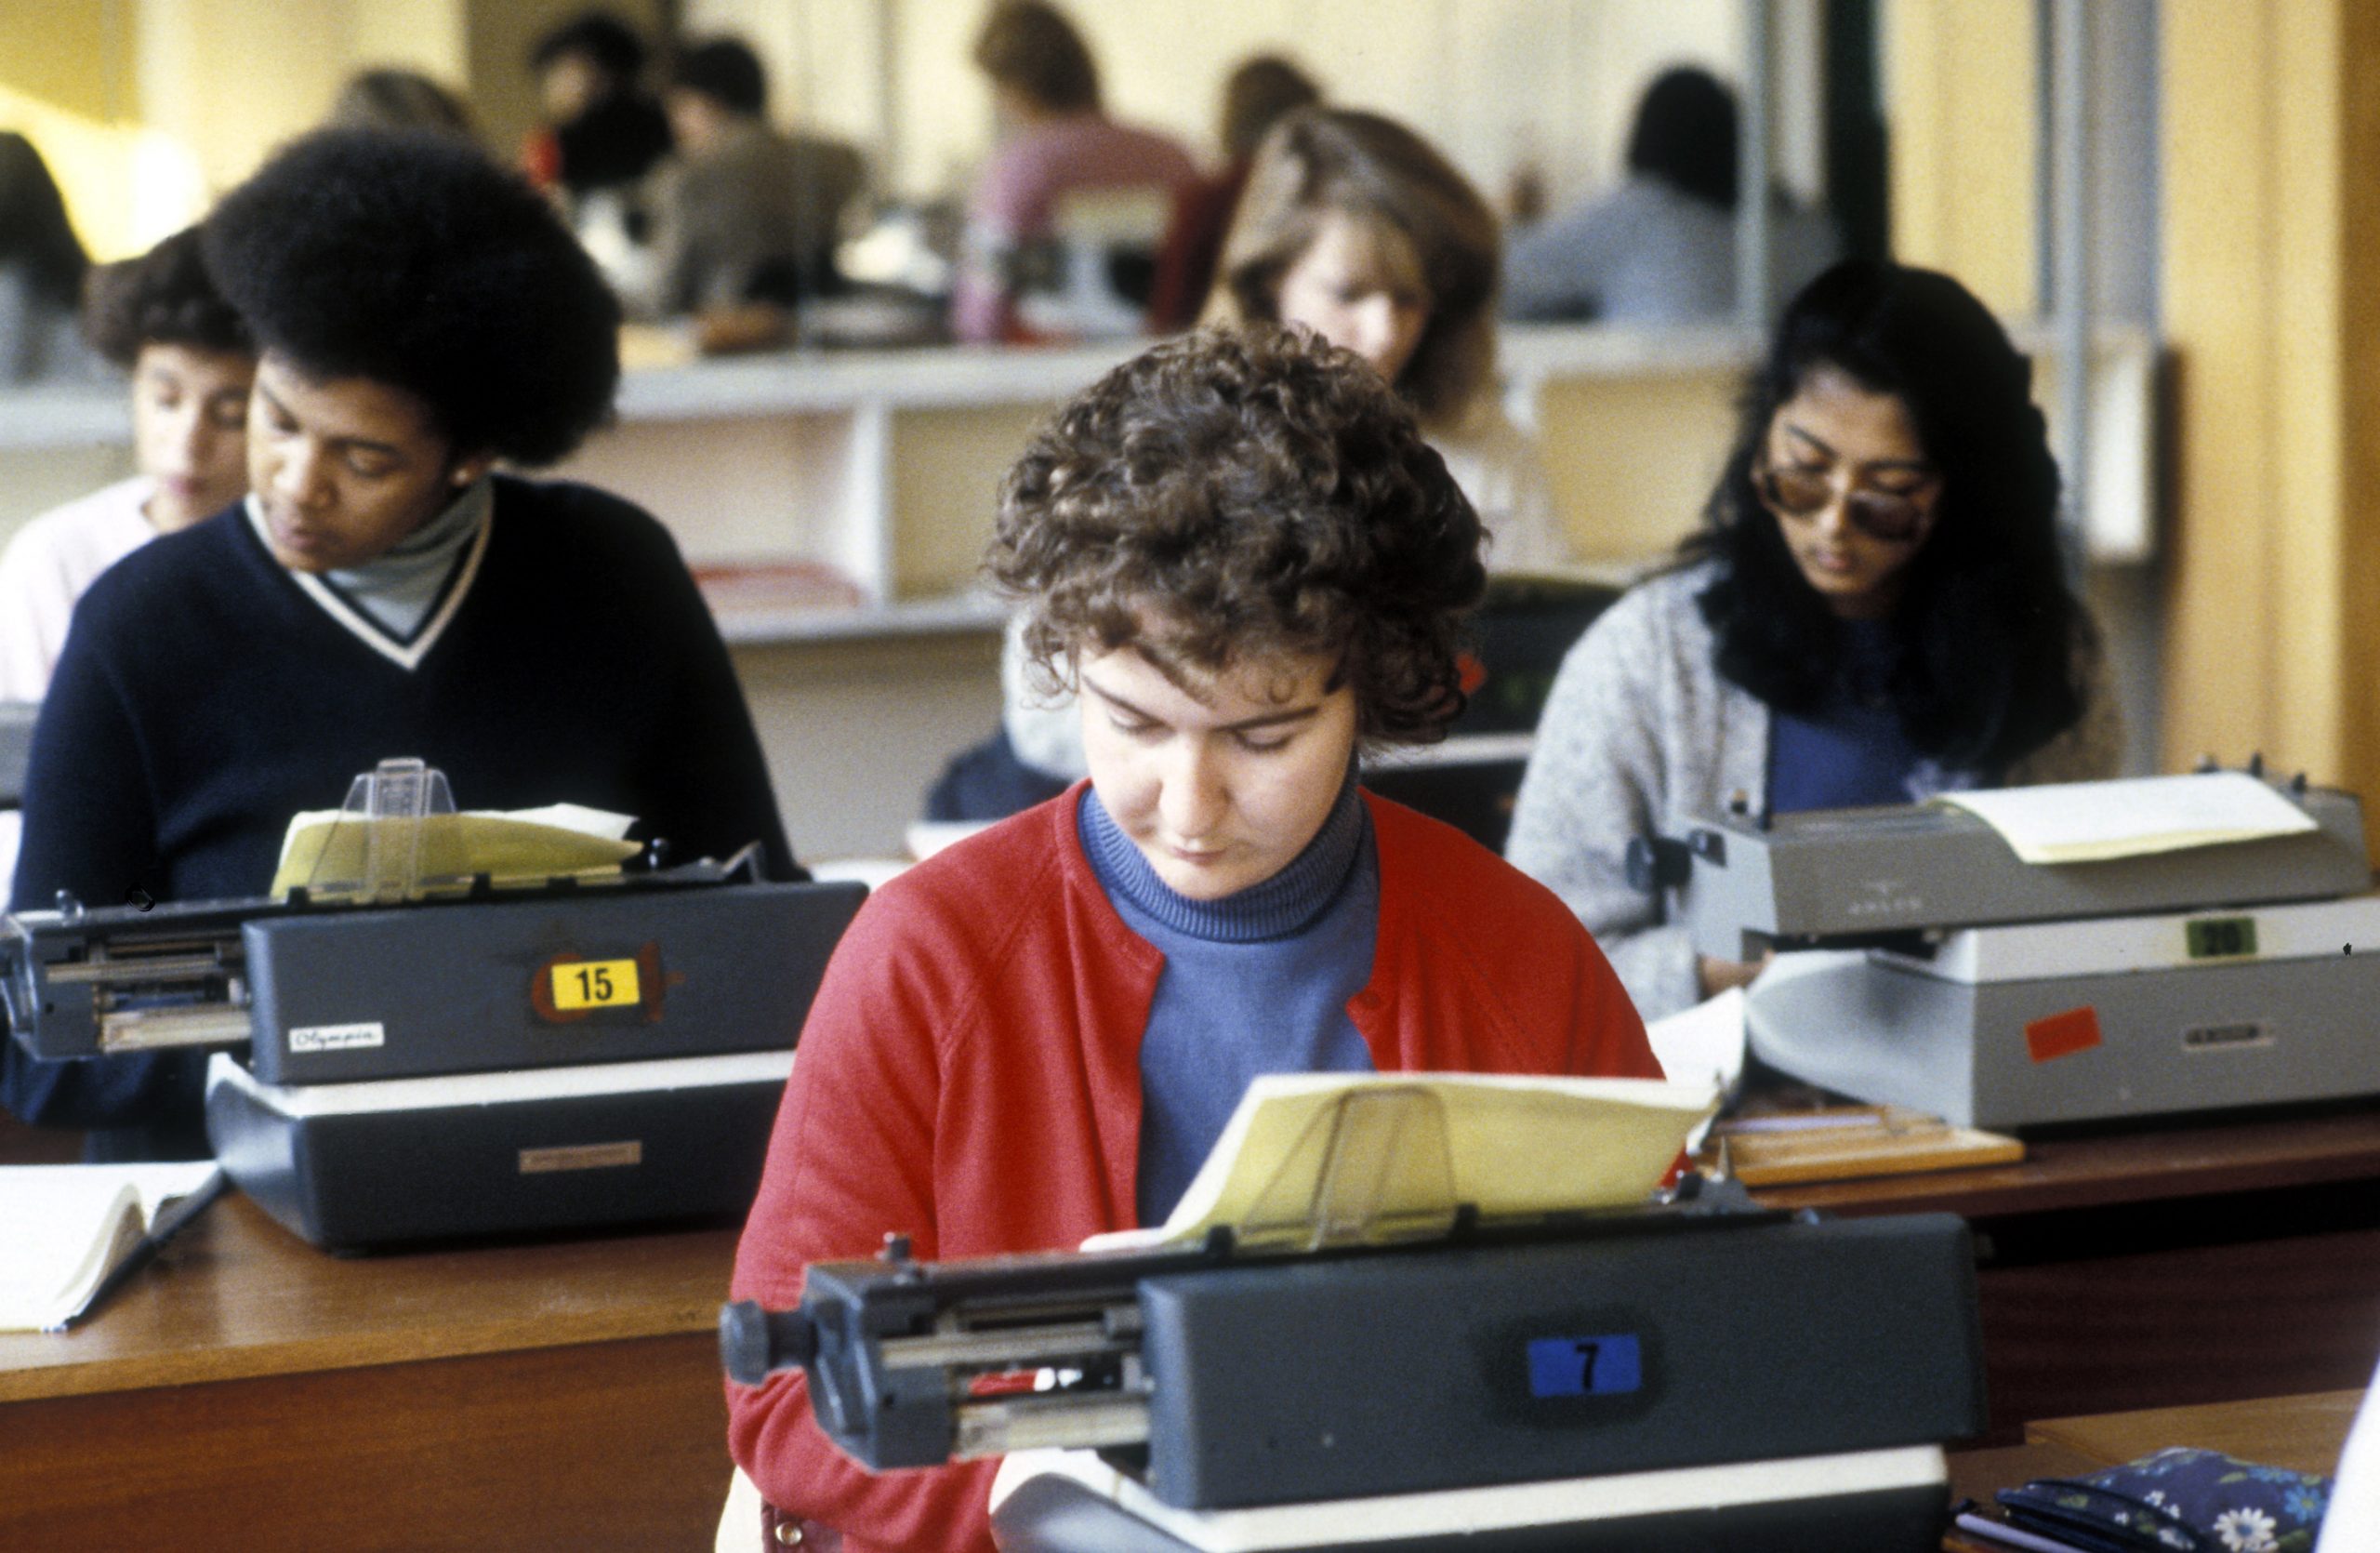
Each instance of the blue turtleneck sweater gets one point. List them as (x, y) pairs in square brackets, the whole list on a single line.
[(1257, 982)]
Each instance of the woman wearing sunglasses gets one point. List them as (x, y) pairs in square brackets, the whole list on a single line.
[(1873, 612)]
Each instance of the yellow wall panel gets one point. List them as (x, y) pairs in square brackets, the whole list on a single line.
[(74, 56), (2358, 554), (2307, 272), (1960, 83), (2271, 261), (2217, 138), (1631, 459)]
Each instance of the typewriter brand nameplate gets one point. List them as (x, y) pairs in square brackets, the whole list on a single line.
[(336, 1038), (582, 1156), (596, 984)]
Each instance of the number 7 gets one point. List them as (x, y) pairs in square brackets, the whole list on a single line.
[(1587, 1352)]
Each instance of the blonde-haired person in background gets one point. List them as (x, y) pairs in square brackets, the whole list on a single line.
[(1354, 227), (1259, 92)]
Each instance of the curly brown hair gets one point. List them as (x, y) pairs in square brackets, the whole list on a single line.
[(164, 297), (1239, 494)]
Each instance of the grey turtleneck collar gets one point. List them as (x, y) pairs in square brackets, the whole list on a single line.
[(396, 601), (401, 588)]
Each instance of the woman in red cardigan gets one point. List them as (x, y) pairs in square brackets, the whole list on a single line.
[(1240, 553)]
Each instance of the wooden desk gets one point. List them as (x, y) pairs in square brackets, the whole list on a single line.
[(23, 1144), (2305, 1434), (2166, 1266), (249, 1392)]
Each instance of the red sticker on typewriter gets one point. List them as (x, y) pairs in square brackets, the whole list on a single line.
[(2062, 1035)]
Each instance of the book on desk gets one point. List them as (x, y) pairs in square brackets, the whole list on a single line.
[(75, 1232)]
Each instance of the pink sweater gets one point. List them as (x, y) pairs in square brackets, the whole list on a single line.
[(970, 1077), (1019, 189)]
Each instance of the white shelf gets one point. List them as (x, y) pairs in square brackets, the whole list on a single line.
[(798, 382), (884, 464), (963, 377), (950, 614), (38, 419)]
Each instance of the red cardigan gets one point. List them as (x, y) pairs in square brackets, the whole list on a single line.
[(969, 1076)]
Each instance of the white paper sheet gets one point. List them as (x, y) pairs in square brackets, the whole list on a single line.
[(2086, 822), (1702, 1045)]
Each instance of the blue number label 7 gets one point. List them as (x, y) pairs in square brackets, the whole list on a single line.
[(1602, 1365)]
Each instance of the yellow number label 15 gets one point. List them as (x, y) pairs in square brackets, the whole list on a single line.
[(595, 984)]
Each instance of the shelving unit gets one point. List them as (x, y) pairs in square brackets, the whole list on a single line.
[(886, 466)]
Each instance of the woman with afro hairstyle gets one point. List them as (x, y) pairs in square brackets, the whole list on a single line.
[(1240, 552), (421, 314), (1875, 612)]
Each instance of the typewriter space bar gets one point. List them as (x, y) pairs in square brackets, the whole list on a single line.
[(149, 1030), (994, 1427)]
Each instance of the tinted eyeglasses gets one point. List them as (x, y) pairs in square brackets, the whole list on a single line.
[(1896, 518)]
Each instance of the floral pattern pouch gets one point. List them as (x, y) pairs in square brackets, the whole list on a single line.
[(2176, 1500)]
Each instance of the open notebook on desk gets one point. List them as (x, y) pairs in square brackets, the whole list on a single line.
[(67, 1227)]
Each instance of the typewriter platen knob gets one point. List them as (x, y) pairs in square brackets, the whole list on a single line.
[(1654, 863), (753, 1342)]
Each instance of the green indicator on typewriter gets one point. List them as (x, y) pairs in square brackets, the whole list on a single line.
[(2221, 937)]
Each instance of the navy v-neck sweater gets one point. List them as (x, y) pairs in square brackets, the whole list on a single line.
[(204, 698)]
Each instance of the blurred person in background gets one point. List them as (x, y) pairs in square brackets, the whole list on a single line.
[(748, 216), (41, 265), (1662, 247), (391, 98), (1355, 228), (602, 138), (602, 130), (160, 318), (1257, 95), (1057, 154)]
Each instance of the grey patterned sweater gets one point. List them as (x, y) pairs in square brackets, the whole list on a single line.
[(1640, 730)]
